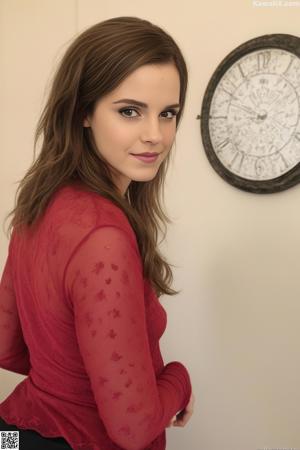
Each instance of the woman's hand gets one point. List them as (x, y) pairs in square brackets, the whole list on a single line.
[(182, 418), (172, 421)]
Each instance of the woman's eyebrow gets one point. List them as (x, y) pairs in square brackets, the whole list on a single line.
[(131, 101)]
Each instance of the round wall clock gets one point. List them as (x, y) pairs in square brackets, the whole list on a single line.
[(250, 115)]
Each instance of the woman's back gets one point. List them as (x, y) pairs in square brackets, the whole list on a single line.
[(92, 323)]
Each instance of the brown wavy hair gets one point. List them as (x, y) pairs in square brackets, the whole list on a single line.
[(97, 61)]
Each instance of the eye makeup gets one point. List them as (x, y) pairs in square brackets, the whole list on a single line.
[(132, 108)]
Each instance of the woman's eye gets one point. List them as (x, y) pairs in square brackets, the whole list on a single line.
[(125, 111), (128, 112), (172, 112)]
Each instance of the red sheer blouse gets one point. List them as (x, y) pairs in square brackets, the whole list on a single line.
[(78, 318)]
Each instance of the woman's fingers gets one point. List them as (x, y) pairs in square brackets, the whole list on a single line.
[(182, 420), (172, 421)]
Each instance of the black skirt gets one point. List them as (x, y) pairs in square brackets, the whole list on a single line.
[(31, 440)]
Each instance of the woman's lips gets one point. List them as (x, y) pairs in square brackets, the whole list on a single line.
[(147, 159)]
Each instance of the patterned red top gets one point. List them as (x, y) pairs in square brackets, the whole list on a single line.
[(77, 317)]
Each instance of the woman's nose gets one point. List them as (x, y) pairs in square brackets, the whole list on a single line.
[(152, 131)]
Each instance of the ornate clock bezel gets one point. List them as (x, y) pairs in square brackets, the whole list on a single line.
[(286, 42)]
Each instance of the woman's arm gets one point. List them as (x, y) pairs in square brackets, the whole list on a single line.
[(14, 354), (104, 283)]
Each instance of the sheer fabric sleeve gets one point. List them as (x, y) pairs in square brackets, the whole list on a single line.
[(14, 355), (104, 283)]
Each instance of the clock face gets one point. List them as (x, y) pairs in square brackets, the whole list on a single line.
[(254, 121)]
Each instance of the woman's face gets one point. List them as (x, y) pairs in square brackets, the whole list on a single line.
[(139, 116)]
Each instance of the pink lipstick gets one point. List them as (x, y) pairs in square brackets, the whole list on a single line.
[(147, 159)]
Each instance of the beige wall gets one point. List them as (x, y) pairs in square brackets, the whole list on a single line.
[(235, 324)]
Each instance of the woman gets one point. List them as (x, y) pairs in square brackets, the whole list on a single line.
[(79, 293)]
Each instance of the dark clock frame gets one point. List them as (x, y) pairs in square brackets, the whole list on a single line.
[(292, 177)]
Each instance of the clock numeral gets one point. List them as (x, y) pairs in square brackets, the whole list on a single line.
[(263, 59), (232, 83), (241, 162), (223, 144), (260, 166), (284, 160), (229, 93), (241, 70), (289, 65), (236, 161), (233, 160)]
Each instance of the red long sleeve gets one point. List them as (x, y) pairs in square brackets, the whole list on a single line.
[(73, 297), (105, 287), (14, 354)]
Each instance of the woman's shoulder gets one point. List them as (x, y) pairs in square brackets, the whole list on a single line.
[(74, 209), (77, 201)]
